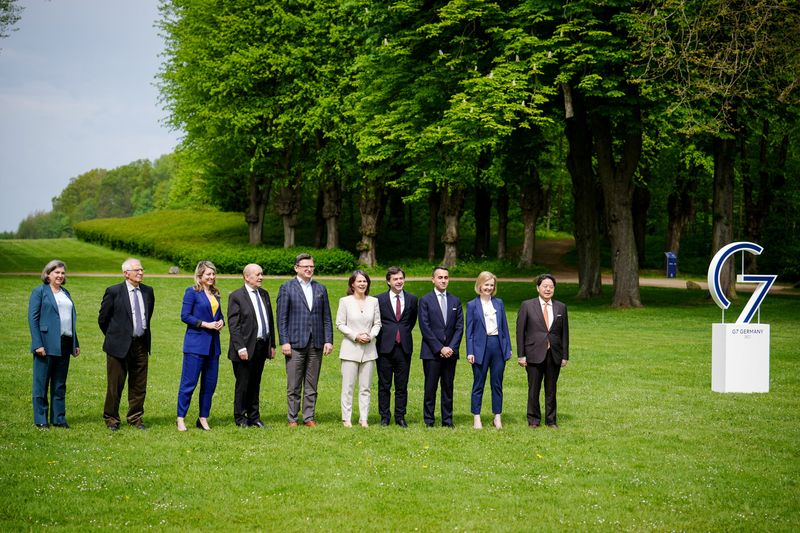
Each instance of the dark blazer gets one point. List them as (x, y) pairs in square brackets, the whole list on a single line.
[(243, 324), (116, 319), (45, 322), (296, 324), (195, 310), (532, 335), (436, 335), (476, 329), (390, 325)]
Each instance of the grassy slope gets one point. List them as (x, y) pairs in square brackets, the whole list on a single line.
[(32, 255)]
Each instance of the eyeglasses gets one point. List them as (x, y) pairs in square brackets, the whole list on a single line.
[(306, 267), (135, 270)]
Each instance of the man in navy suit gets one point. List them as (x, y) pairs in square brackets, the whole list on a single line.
[(305, 330), (398, 317), (543, 348), (441, 322), (125, 319)]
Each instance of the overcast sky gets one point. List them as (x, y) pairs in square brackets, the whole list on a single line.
[(76, 93)]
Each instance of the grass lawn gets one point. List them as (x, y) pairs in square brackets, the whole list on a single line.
[(644, 444)]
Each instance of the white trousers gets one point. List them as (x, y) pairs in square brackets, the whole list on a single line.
[(352, 370)]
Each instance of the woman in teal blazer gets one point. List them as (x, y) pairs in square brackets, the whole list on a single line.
[(202, 314), (51, 319)]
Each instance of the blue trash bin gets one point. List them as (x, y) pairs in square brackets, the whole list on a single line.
[(672, 265)]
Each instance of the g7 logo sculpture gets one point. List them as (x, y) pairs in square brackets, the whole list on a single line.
[(765, 281)]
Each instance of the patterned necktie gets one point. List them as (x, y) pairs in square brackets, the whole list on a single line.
[(546, 321), (397, 314), (138, 328), (443, 305), (263, 330)]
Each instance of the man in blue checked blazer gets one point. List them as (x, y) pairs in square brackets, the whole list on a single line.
[(305, 330)]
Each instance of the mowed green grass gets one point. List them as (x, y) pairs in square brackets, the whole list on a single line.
[(644, 444)]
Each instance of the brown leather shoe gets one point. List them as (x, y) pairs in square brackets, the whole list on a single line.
[(292, 424), (310, 424)]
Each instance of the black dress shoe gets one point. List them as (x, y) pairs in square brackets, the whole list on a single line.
[(63, 425), (384, 421), (242, 425), (200, 426), (139, 425), (428, 424), (401, 422), (552, 426), (258, 424), (113, 427), (450, 425), (42, 426), (533, 426)]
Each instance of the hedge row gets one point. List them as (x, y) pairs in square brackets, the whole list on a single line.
[(186, 237)]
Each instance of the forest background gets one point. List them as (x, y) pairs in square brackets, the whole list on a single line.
[(457, 131)]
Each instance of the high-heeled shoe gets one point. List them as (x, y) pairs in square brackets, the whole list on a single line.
[(201, 426), (181, 424), (363, 423), (497, 423), (347, 423)]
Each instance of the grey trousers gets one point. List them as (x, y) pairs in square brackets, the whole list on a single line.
[(302, 373)]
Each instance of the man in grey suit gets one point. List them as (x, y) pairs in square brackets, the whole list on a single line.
[(252, 328), (305, 330), (543, 348)]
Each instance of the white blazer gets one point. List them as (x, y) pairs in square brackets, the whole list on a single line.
[(351, 320)]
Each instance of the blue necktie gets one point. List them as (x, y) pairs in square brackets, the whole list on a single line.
[(138, 328)]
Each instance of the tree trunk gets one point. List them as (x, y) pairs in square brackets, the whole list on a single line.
[(722, 225), (319, 221), (641, 203), (585, 193), (617, 182), (770, 180), (502, 223), (288, 205), (452, 206), (531, 201), (434, 202), (483, 212), (258, 195), (370, 207), (680, 208), (331, 209)]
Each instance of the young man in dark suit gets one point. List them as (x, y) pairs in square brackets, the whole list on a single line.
[(543, 348), (305, 329), (252, 342), (441, 322), (125, 320), (398, 310)]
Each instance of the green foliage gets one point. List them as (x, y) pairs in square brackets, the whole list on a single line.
[(186, 237)]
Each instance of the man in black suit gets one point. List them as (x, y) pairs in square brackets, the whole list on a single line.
[(252, 342), (398, 317), (124, 319), (543, 348), (441, 322)]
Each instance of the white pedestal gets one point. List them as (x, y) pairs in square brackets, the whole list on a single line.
[(740, 358)]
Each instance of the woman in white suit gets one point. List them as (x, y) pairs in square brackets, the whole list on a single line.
[(359, 320)]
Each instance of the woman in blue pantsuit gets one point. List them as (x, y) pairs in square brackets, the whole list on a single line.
[(51, 318), (202, 314), (488, 346)]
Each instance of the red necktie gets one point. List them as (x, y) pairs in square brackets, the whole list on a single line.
[(397, 314)]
